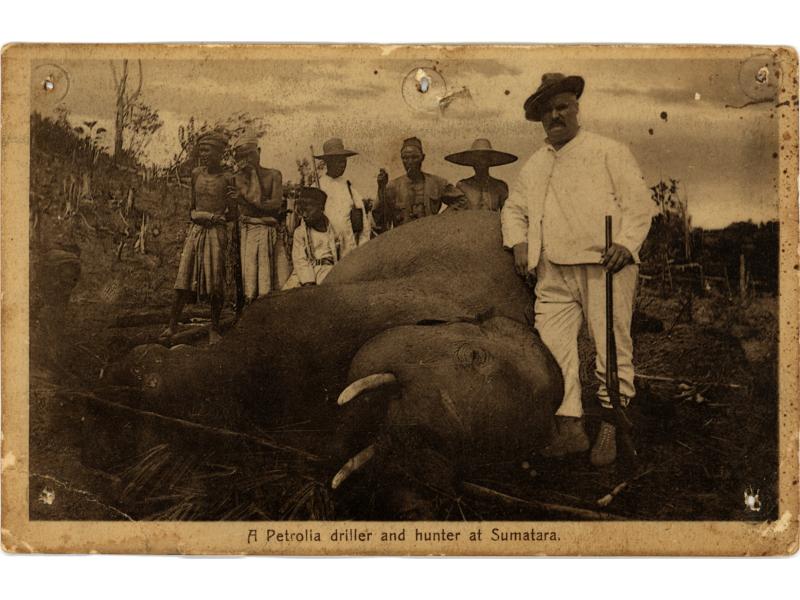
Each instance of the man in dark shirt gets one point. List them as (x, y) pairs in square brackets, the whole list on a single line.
[(414, 195)]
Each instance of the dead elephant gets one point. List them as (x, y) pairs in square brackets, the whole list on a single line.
[(427, 325)]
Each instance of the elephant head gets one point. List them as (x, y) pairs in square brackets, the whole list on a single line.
[(443, 397)]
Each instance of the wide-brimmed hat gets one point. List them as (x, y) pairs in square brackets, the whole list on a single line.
[(481, 152), (334, 147), (552, 84)]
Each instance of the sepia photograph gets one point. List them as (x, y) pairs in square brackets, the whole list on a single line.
[(400, 299)]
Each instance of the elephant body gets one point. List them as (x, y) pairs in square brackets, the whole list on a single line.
[(436, 303)]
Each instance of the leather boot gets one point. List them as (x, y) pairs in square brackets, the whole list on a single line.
[(570, 437), (604, 451)]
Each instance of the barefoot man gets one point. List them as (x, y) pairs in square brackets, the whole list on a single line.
[(201, 274), (259, 193)]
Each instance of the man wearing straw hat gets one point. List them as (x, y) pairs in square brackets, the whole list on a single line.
[(554, 220), (259, 193), (344, 207), (482, 191), (414, 195)]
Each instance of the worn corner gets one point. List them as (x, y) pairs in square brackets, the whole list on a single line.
[(11, 50), (788, 53), (11, 545)]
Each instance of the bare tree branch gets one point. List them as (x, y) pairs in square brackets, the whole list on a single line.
[(114, 74), (132, 98)]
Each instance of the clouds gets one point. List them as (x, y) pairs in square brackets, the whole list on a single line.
[(716, 151), (360, 91), (490, 68)]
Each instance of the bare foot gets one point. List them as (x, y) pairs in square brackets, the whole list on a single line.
[(213, 337)]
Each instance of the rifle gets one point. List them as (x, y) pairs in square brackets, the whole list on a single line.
[(387, 214), (621, 420), (314, 166)]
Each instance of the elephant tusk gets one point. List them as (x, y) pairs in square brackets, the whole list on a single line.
[(353, 465), (359, 386)]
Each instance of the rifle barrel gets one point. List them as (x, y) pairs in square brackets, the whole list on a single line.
[(612, 376), (314, 165)]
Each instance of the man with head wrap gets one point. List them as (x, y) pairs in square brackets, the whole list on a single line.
[(259, 194), (414, 195), (201, 273)]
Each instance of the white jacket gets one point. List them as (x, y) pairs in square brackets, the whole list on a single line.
[(561, 198), (337, 209), (314, 253)]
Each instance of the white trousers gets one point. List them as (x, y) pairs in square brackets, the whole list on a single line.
[(567, 294)]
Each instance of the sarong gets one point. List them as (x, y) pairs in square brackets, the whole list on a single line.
[(258, 243), (202, 266)]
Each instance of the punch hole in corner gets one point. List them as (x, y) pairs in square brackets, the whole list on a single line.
[(423, 87), (762, 75), (423, 81), (48, 85)]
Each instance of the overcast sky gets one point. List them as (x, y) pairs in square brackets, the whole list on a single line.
[(723, 156)]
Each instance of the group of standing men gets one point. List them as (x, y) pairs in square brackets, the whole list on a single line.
[(552, 220), (334, 218)]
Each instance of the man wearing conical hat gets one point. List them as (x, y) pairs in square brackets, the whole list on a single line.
[(345, 206), (482, 192), (414, 195), (258, 192), (554, 220)]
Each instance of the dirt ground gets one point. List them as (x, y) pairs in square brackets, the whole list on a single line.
[(705, 420)]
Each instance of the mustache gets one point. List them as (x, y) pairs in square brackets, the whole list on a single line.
[(557, 122)]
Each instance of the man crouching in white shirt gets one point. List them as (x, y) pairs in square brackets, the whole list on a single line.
[(554, 222), (316, 245)]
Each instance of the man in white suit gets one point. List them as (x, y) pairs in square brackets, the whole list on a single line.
[(554, 222)]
